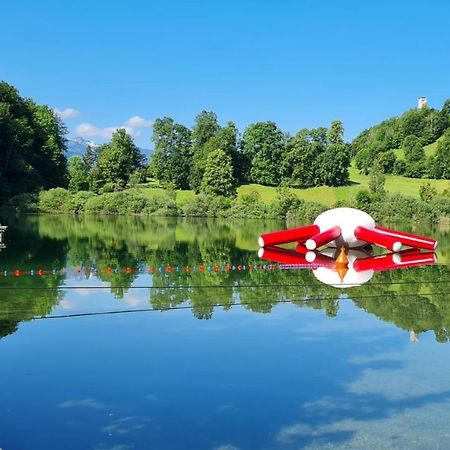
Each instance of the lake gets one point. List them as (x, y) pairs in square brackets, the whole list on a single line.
[(129, 333)]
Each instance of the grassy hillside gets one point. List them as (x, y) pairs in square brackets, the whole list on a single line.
[(430, 150), (324, 194)]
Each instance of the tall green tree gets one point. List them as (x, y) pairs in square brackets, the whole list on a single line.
[(227, 139), (78, 174), (118, 160), (32, 145), (335, 134), (413, 149), (205, 128), (218, 178), (333, 165), (172, 158), (264, 144)]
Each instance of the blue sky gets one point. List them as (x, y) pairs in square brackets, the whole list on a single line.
[(299, 63)]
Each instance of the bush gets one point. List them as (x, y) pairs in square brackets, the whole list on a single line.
[(250, 206), (305, 211), (286, 201), (78, 201), (57, 200), (208, 206), (124, 202), (162, 205)]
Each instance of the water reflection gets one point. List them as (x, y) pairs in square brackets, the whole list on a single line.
[(323, 371), (213, 264)]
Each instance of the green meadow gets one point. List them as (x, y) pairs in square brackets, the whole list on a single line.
[(323, 194)]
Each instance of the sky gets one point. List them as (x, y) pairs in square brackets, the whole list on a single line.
[(301, 63)]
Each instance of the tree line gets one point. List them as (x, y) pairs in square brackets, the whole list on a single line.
[(410, 132), (208, 157), (214, 159)]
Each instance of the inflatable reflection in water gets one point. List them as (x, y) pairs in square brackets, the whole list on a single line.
[(345, 268), (347, 236)]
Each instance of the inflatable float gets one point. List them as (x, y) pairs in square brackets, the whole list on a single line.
[(338, 247)]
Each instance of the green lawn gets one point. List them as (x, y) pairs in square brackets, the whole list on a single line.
[(430, 150), (323, 194), (330, 195)]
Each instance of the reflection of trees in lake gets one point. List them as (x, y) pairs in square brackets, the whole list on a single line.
[(110, 242), (417, 302), (23, 298)]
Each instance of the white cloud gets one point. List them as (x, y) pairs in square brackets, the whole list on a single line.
[(68, 113), (138, 122), (89, 130), (131, 126)]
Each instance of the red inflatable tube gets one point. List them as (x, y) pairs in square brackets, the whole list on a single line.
[(283, 256), (285, 236), (319, 260), (411, 240), (378, 238), (411, 260), (375, 263), (323, 238), (300, 248), (394, 261)]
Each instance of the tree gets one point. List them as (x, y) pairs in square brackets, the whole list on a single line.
[(226, 139), (377, 180), (32, 145), (50, 146), (90, 156), (300, 162), (206, 127), (333, 165), (387, 161), (172, 158), (264, 145), (118, 160), (78, 174), (440, 165), (218, 178), (413, 149), (335, 134)]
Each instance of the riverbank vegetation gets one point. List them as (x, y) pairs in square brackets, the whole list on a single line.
[(396, 170)]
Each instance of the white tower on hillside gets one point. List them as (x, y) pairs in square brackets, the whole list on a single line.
[(422, 102)]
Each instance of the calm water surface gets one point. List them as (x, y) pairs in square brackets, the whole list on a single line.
[(196, 348)]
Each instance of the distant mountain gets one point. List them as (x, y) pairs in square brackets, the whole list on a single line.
[(77, 146)]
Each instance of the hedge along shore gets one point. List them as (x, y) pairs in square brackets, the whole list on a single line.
[(387, 208)]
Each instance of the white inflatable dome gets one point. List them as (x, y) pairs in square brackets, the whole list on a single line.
[(347, 219)]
